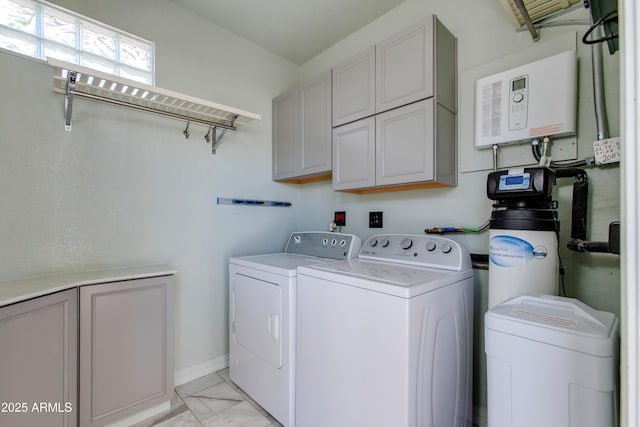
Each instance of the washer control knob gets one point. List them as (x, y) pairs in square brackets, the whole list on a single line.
[(334, 242), (384, 243), (431, 246), (446, 248), (297, 239), (325, 241), (373, 242), (343, 243), (406, 243)]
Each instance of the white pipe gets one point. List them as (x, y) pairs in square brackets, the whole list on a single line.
[(598, 88)]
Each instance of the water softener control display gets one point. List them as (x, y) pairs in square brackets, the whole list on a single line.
[(523, 183), (517, 181)]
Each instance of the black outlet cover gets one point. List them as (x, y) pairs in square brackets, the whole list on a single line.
[(375, 219)]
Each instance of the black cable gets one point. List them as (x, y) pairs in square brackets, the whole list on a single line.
[(560, 265), (602, 20)]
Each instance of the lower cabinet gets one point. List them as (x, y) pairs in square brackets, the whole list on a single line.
[(39, 361), (126, 348), (87, 356)]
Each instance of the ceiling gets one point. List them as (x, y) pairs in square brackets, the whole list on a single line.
[(296, 30)]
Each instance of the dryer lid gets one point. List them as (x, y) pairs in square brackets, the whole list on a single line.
[(282, 264)]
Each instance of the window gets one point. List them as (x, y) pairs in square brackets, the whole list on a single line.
[(39, 29)]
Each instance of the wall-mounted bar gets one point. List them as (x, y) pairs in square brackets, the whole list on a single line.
[(73, 80), (252, 202), (530, 14), (527, 20)]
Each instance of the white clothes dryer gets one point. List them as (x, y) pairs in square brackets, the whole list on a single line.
[(386, 339), (262, 295)]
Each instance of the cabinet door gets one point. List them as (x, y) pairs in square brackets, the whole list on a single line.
[(354, 88), (404, 144), (38, 361), (285, 135), (404, 67), (315, 125), (354, 155), (126, 348)]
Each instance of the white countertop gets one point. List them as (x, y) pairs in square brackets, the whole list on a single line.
[(12, 291)]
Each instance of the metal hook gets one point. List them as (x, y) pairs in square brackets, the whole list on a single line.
[(207, 137), (185, 132)]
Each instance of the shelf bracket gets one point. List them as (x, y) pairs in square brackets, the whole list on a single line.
[(218, 138), (68, 99), (527, 20)]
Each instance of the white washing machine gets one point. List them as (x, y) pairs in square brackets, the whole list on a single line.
[(262, 295), (386, 339)]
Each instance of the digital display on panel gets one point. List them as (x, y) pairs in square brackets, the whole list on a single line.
[(514, 180), (518, 84)]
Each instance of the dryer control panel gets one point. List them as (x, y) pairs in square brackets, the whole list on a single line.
[(425, 251), (323, 244)]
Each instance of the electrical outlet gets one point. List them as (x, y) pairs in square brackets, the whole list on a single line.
[(375, 219), (340, 218)]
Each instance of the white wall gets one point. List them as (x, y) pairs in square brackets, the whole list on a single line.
[(125, 188)]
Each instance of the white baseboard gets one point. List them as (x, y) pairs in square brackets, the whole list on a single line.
[(480, 416), (141, 416), (200, 370)]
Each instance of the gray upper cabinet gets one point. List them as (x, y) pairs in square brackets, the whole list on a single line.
[(415, 64), (285, 135), (354, 88), (126, 348), (404, 67), (39, 355), (354, 154), (404, 148), (415, 141), (315, 122), (302, 132), (404, 145)]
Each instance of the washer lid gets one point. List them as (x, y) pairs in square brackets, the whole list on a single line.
[(282, 263), (401, 280), (555, 320)]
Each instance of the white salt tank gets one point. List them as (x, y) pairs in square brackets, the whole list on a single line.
[(551, 361)]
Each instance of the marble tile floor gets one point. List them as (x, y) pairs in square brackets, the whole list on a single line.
[(212, 401)]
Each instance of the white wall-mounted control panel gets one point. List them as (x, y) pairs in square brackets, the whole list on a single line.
[(527, 102)]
